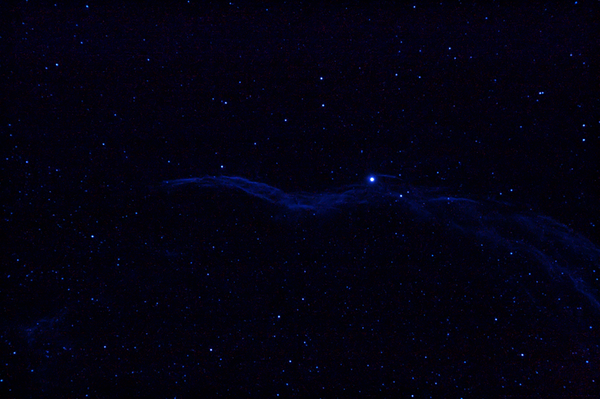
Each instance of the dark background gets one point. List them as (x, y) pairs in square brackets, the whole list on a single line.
[(102, 103)]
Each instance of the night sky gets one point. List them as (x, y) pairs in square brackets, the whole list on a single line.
[(262, 199)]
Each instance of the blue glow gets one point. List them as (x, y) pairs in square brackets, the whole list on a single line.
[(497, 225)]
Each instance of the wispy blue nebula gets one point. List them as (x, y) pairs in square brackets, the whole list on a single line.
[(512, 231), (317, 202)]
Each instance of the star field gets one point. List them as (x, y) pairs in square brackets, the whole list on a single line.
[(304, 200)]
